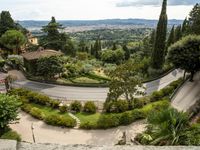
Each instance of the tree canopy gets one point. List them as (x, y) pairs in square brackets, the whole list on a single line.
[(185, 54), (13, 39)]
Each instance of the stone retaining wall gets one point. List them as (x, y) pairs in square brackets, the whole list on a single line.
[(13, 145)]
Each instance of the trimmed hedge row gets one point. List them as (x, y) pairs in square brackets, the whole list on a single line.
[(33, 97), (113, 120), (51, 119)]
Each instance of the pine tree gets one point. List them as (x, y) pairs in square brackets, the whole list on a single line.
[(171, 38), (178, 33), (158, 54), (97, 48), (6, 22)]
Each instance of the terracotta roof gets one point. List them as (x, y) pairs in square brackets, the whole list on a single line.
[(42, 53)]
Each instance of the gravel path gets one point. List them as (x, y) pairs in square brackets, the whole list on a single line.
[(44, 133)]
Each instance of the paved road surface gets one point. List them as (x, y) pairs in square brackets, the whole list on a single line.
[(95, 94), (187, 95)]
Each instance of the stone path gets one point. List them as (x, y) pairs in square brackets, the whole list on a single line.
[(78, 122)]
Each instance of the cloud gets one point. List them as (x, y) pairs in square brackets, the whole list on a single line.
[(128, 3)]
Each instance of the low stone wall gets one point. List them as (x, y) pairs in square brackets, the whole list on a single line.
[(13, 145)]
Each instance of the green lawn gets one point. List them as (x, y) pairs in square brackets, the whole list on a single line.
[(92, 118)]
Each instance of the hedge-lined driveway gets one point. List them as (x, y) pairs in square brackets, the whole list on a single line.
[(90, 93)]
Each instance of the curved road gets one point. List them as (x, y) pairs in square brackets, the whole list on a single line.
[(188, 95), (85, 93)]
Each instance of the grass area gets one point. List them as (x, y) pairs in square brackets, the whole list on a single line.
[(10, 135), (85, 80), (85, 117)]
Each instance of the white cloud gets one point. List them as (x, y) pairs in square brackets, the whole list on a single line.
[(84, 9)]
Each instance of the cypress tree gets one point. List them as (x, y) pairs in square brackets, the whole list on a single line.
[(127, 52), (185, 27), (114, 46), (158, 54), (178, 33), (171, 37)]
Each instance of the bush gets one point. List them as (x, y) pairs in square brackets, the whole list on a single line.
[(37, 113), (108, 121), (57, 120), (11, 135), (116, 106), (88, 125), (90, 107), (76, 106), (140, 102), (54, 103), (126, 118), (26, 107), (63, 108), (157, 95)]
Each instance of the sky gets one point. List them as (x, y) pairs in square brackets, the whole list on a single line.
[(94, 9)]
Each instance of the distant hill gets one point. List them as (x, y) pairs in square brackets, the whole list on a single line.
[(77, 23)]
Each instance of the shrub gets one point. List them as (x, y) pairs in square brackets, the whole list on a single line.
[(76, 106), (108, 121), (54, 103), (116, 106), (138, 114), (37, 113), (63, 108), (140, 102), (121, 106), (157, 95), (26, 107), (57, 120), (126, 118), (90, 107), (11, 135), (88, 125)]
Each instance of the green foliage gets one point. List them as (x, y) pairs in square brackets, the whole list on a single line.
[(116, 106), (9, 106), (108, 121), (36, 113), (177, 33), (6, 22), (48, 67), (63, 109), (13, 39), (76, 106), (171, 38), (194, 20), (90, 107), (57, 120), (127, 52), (110, 56), (185, 54), (124, 81), (10, 135), (158, 55), (167, 127)]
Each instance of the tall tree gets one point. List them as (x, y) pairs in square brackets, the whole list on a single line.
[(178, 33), (158, 55), (97, 48), (194, 20), (185, 27), (171, 37), (53, 38), (6, 22), (124, 82), (127, 52)]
